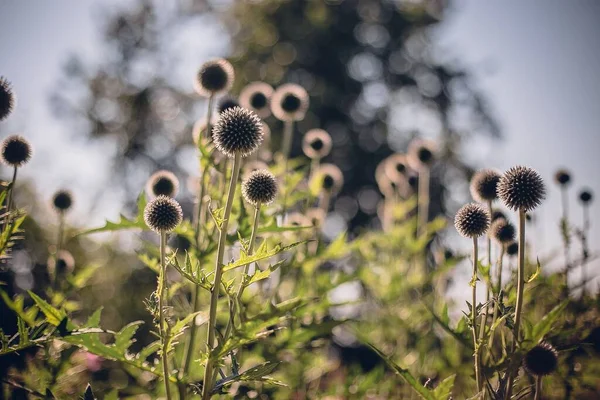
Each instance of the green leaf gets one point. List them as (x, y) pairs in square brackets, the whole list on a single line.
[(536, 273), (260, 275), (545, 325), (83, 276), (443, 391), (53, 315), (258, 373), (17, 305), (123, 223), (272, 227), (94, 319), (261, 253)]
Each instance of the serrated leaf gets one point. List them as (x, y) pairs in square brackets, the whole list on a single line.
[(258, 373), (124, 223), (94, 320), (53, 315), (536, 273), (262, 253), (260, 275), (544, 326), (272, 227), (443, 390)]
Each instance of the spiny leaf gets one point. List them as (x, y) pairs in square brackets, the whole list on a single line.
[(536, 273), (262, 253), (443, 391), (545, 325), (255, 374), (53, 315), (124, 223)]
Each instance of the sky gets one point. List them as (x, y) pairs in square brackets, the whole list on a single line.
[(537, 62)]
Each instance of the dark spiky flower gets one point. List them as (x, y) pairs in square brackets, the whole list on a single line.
[(484, 184), (163, 214), (521, 188), (259, 188), (331, 178), (512, 249), (497, 214), (238, 131), (472, 220), (214, 77), (289, 102), (226, 103), (316, 143), (502, 231), (16, 151), (61, 264), (162, 182), (562, 177), (541, 360), (421, 154), (62, 200), (7, 98), (256, 96), (585, 196)]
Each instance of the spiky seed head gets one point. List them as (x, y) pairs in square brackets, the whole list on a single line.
[(259, 187), (226, 103), (256, 96), (61, 264), (238, 131), (521, 188), (484, 185), (502, 231), (7, 99), (562, 177), (214, 77), (62, 201), (541, 360), (421, 153), (162, 182), (586, 196), (289, 102), (397, 168), (497, 214), (163, 214), (330, 177), (512, 249), (316, 143), (472, 220), (16, 151)]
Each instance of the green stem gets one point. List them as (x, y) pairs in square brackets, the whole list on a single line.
[(250, 251), (286, 147), (538, 388), (161, 317), (498, 289), (474, 315), (423, 205), (214, 298), (10, 200), (485, 315)]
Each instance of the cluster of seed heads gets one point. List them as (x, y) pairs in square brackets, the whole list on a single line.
[(7, 99), (259, 188), (16, 151), (472, 220), (521, 188), (162, 183), (541, 360), (163, 214), (484, 185), (238, 131)]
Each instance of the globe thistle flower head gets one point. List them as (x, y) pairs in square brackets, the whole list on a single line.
[(472, 220), (226, 103), (259, 188), (521, 188), (498, 214), (421, 154), (331, 178), (7, 99), (586, 196), (541, 360), (163, 214), (162, 182), (512, 249), (484, 185), (289, 102), (396, 168), (16, 151), (316, 144), (256, 96), (413, 182), (62, 201), (61, 264), (562, 177), (214, 77), (502, 231), (238, 131)]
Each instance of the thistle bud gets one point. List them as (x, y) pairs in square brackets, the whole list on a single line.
[(472, 220), (162, 182), (16, 151), (238, 131), (7, 99), (484, 185), (259, 188), (163, 214), (521, 188), (214, 77), (289, 102), (541, 360)]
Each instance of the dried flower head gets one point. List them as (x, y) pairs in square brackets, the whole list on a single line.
[(259, 188), (397, 168), (289, 102), (585, 196), (472, 220), (316, 143), (497, 214), (62, 200), (421, 154), (214, 77), (384, 183), (256, 96), (484, 185), (562, 177), (502, 231), (16, 151), (162, 182), (512, 249), (61, 264), (163, 214), (7, 99), (521, 188), (541, 360), (226, 103), (330, 177), (238, 131)]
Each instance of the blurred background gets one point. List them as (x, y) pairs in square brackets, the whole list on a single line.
[(105, 95)]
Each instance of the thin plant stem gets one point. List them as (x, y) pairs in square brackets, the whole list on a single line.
[(214, 298), (162, 299), (200, 209), (324, 200), (211, 100), (10, 200), (498, 289), (286, 147), (250, 252), (584, 247), (565, 233), (538, 388), (474, 315), (423, 205), (485, 315)]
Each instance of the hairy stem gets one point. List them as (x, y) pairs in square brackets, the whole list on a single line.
[(162, 299), (474, 315), (214, 298)]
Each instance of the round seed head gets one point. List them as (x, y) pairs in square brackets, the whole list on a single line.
[(413, 182), (502, 231), (238, 131), (512, 249), (521, 188), (7, 99), (289, 102), (421, 153), (498, 214), (541, 360), (62, 200), (396, 168), (585, 196), (214, 77), (562, 177), (316, 143), (472, 220), (61, 264), (226, 103), (16, 151), (484, 185), (256, 96), (330, 177), (162, 182), (163, 214), (259, 187)]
